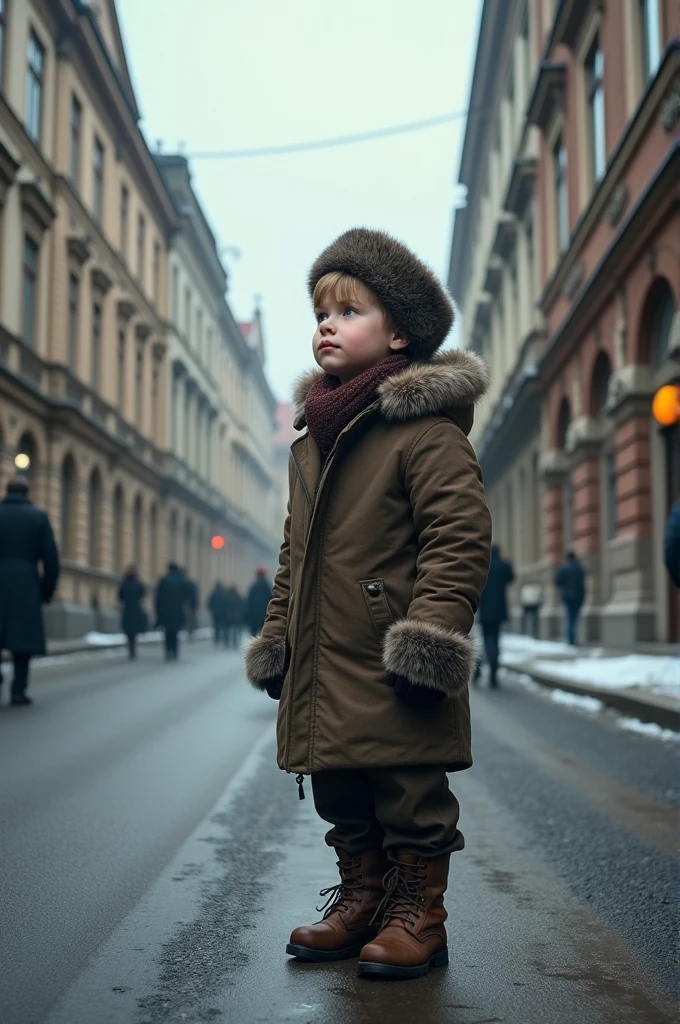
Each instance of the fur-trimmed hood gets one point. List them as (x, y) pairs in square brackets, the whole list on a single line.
[(450, 380)]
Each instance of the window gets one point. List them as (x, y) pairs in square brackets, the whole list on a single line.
[(156, 270), (98, 184), (94, 510), (30, 290), (141, 243), (594, 68), (209, 349), (651, 51), (610, 483), (124, 219), (561, 195), (187, 313), (96, 345), (76, 118), (34, 87), (139, 380), (3, 28), (199, 332), (73, 297), (120, 370), (175, 295), (68, 479)]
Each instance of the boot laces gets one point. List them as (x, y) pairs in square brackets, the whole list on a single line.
[(347, 891), (404, 887)]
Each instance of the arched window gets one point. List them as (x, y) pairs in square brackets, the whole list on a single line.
[(94, 518), (174, 553), (599, 386), (68, 489), (188, 536), (137, 538), (153, 542), (118, 520), (563, 421), (661, 323)]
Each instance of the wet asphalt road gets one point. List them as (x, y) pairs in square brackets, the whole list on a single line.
[(561, 907)]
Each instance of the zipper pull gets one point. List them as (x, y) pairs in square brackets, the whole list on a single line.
[(300, 779)]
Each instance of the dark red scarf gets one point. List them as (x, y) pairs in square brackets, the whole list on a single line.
[(330, 405)]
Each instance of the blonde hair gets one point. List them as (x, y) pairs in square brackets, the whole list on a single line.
[(345, 288)]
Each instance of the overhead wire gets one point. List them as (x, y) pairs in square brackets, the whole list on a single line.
[(339, 140)]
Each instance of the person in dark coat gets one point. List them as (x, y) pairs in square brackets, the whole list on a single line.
[(570, 580), (26, 540), (173, 596), (493, 609), (133, 617), (234, 617), (217, 606), (258, 599), (672, 544), (192, 605)]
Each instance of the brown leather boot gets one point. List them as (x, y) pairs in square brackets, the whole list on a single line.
[(412, 937), (349, 922)]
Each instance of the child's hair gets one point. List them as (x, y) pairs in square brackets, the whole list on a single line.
[(345, 288)]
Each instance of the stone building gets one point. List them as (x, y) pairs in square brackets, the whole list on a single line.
[(85, 375), (566, 263)]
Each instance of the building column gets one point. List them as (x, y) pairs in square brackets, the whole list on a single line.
[(553, 471)]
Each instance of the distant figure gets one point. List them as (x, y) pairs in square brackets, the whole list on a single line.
[(217, 606), (531, 599), (493, 609), (26, 539), (257, 601), (133, 619), (192, 605), (234, 617), (172, 599), (672, 544), (570, 580)]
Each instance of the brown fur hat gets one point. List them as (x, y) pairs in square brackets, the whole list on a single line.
[(415, 300)]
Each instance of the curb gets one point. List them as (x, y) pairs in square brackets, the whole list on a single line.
[(663, 711)]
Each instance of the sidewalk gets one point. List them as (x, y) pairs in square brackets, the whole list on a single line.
[(643, 685)]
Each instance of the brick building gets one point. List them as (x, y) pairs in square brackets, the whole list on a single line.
[(566, 262)]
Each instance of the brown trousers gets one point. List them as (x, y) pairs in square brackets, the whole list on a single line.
[(405, 810)]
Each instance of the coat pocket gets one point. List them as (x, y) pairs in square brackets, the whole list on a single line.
[(378, 608)]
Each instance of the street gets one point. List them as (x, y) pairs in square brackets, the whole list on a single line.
[(154, 861)]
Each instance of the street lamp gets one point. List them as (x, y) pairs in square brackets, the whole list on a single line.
[(22, 461)]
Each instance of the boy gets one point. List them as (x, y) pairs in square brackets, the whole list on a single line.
[(385, 552)]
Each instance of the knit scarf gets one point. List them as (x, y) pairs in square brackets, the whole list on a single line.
[(331, 405)]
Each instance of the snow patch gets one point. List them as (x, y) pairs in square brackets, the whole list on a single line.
[(576, 700), (649, 729), (654, 673)]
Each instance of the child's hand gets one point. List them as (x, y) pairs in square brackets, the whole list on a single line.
[(414, 695), (274, 687)]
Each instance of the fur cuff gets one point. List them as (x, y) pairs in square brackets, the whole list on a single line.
[(429, 655), (264, 658)]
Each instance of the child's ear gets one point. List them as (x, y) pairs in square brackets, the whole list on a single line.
[(398, 343)]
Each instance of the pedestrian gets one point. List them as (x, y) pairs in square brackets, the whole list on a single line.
[(570, 581), (173, 595), (191, 617), (234, 617), (493, 609), (672, 544), (257, 601), (133, 616), (26, 541), (366, 641), (531, 599), (217, 606)]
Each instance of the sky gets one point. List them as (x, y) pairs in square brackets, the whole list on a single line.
[(212, 75)]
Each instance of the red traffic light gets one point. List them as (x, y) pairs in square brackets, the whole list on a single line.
[(217, 542)]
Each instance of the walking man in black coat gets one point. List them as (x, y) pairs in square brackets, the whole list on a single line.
[(133, 618), (259, 596), (26, 539), (173, 595), (493, 609), (570, 580), (217, 606), (234, 617)]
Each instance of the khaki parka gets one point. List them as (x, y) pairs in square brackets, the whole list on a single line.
[(385, 553)]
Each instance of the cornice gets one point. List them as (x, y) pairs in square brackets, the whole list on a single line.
[(548, 93)]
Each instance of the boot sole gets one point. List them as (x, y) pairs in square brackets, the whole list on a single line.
[(390, 971), (323, 955)]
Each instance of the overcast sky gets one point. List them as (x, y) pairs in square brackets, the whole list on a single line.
[(228, 74)]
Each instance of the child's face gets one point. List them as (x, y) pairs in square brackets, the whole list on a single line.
[(351, 337)]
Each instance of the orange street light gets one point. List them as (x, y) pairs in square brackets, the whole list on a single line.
[(217, 542), (666, 405)]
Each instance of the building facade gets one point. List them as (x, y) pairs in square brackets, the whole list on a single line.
[(566, 262), (86, 219)]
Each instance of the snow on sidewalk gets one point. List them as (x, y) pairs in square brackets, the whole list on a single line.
[(658, 674)]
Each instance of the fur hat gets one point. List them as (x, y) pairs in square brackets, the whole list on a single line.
[(409, 291)]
